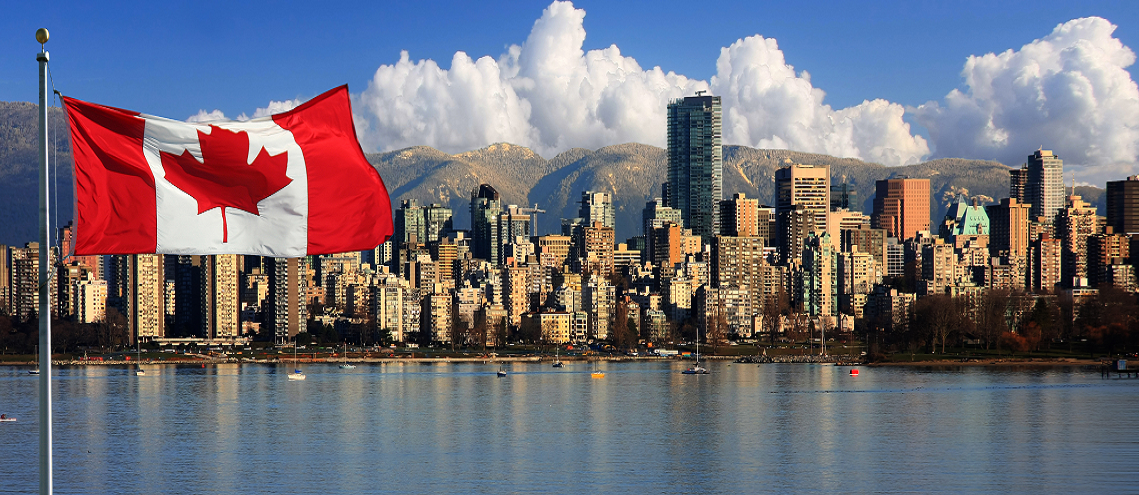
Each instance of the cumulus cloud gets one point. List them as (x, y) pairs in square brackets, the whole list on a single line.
[(1068, 92), (551, 95), (767, 105)]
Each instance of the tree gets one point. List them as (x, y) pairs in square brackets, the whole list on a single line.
[(991, 321), (935, 318)]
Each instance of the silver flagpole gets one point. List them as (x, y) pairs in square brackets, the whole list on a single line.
[(45, 282)]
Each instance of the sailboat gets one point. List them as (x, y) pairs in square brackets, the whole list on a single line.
[(139, 371), (696, 369), (557, 357), (297, 374), (37, 358), (345, 365)]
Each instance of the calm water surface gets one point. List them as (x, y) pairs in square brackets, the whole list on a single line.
[(644, 428)]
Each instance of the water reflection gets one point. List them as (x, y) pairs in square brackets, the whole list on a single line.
[(458, 428)]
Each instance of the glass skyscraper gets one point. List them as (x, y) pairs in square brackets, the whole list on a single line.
[(695, 162)]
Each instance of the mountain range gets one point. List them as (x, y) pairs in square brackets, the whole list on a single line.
[(631, 172)]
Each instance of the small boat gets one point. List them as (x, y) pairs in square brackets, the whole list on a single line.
[(138, 370), (345, 365), (501, 373), (696, 369), (297, 374), (597, 374), (557, 358), (6, 419), (37, 370)]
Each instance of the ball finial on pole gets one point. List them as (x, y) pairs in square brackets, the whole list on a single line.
[(41, 35)]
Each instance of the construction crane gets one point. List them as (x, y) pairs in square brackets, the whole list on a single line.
[(533, 212)]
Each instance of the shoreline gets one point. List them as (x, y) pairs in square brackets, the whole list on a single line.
[(940, 363)]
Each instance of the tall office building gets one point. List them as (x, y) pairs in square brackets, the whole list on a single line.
[(1123, 205), (286, 308), (597, 207), (1045, 185), (808, 186), (486, 205), (695, 162), (901, 206)]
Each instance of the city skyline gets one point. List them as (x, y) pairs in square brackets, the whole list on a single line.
[(898, 115)]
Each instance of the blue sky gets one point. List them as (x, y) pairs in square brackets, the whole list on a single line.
[(176, 58)]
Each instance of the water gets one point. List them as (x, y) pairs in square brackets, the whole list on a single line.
[(644, 428)]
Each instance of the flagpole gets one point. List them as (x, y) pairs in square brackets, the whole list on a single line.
[(44, 282)]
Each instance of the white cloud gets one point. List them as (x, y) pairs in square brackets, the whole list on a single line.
[(551, 95), (1068, 92), (204, 116), (767, 105)]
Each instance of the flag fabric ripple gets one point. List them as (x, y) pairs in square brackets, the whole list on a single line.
[(291, 184)]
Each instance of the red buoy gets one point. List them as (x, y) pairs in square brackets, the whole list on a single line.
[(854, 372)]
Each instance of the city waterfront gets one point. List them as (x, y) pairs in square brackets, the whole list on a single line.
[(643, 428)]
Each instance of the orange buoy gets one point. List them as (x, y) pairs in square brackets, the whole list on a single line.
[(854, 372)]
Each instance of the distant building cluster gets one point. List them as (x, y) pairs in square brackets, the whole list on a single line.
[(706, 264)]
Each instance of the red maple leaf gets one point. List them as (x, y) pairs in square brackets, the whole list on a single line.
[(224, 178)]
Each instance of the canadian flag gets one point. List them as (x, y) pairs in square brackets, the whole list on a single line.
[(288, 185)]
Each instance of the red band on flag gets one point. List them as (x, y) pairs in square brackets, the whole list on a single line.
[(349, 208), (117, 213)]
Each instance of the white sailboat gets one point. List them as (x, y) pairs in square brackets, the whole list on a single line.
[(557, 356), (37, 358), (345, 365), (696, 369), (297, 374), (138, 370)]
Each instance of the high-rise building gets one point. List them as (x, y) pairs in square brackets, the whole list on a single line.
[(665, 247), (1008, 228), (513, 229), (286, 311), (1018, 184), (656, 214), (90, 301), (1123, 205), (818, 278), (1044, 188), (844, 196), (901, 206), (1044, 266), (695, 162), (739, 216), (796, 224), (597, 207), (1074, 225), (485, 209), (139, 293), (25, 276), (807, 186), (1109, 257), (597, 249)]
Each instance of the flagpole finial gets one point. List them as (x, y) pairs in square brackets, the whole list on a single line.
[(41, 35)]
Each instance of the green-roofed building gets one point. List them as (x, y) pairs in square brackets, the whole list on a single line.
[(964, 219)]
